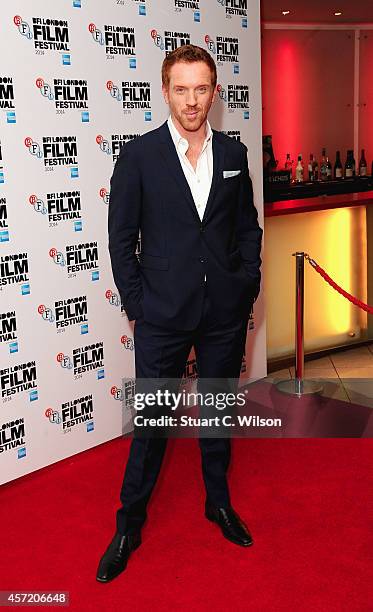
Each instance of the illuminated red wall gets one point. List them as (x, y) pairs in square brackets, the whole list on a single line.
[(366, 94), (308, 88)]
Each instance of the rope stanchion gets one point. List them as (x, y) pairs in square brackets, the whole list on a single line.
[(332, 283), (298, 386)]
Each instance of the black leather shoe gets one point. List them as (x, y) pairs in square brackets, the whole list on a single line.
[(233, 528), (115, 558)]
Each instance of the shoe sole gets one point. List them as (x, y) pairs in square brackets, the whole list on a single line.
[(104, 580), (213, 520)]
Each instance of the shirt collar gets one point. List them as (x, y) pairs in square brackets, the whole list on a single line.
[(181, 141)]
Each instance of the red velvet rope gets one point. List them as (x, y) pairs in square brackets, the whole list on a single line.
[(333, 284)]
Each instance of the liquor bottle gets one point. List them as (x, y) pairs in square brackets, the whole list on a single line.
[(289, 165), (329, 169), (299, 170), (311, 174), (363, 166), (353, 163), (349, 165), (323, 166), (338, 168), (315, 168)]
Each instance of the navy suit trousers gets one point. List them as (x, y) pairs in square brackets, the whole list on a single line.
[(163, 353)]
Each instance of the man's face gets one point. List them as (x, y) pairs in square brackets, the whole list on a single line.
[(190, 93)]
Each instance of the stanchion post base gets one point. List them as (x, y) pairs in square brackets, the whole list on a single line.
[(299, 387)]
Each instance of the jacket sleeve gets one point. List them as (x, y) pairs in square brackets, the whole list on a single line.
[(249, 233), (123, 227)]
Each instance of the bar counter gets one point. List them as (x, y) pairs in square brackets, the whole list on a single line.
[(323, 202)]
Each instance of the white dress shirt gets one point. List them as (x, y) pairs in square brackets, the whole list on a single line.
[(199, 180)]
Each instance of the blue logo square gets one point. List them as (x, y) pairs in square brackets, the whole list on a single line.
[(77, 4), (142, 9), (90, 426), (21, 453), (246, 114), (25, 289), (148, 115), (100, 374), (13, 347), (244, 22), (78, 226), (95, 275), (197, 16), (34, 395), (11, 117), (85, 116), (66, 59), (84, 328), (132, 62), (236, 69), (4, 236), (74, 172), (2, 177)]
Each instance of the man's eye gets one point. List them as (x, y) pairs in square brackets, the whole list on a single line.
[(179, 90), (202, 89)]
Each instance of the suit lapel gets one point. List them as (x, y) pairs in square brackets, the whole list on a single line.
[(218, 165), (171, 157), (174, 167)]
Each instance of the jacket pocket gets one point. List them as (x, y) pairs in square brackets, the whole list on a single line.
[(234, 259), (153, 261)]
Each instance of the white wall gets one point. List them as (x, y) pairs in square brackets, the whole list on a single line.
[(38, 379)]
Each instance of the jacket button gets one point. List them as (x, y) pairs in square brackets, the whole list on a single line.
[(202, 229), (201, 260)]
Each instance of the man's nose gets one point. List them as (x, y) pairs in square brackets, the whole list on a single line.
[(191, 98)]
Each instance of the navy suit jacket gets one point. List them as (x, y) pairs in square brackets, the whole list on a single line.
[(165, 284)]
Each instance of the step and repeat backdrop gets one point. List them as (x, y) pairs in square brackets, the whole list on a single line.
[(78, 80)]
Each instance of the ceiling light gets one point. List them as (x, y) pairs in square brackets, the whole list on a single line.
[(338, 13), (285, 12)]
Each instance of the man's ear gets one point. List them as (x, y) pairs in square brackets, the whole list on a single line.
[(214, 94), (165, 93)]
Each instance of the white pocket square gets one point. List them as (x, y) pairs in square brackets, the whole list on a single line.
[(229, 173)]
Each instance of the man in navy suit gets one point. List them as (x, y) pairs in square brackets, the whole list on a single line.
[(187, 188)]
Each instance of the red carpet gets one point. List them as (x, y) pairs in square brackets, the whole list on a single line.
[(308, 504)]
